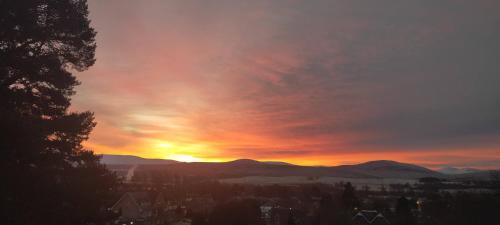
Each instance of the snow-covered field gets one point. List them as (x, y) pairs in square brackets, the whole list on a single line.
[(373, 183)]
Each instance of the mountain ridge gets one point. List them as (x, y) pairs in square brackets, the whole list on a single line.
[(132, 159), (455, 170), (250, 167)]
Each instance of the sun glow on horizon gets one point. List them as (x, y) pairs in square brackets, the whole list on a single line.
[(184, 158), (183, 152)]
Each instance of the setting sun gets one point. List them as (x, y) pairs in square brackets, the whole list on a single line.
[(183, 158)]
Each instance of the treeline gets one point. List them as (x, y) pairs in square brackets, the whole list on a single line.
[(48, 177), (460, 209)]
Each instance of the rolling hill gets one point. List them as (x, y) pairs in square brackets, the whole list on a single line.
[(133, 160), (392, 169), (249, 167), (454, 170)]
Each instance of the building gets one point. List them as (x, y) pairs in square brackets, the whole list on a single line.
[(369, 217), (139, 208)]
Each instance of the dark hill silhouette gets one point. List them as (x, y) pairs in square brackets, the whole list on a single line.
[(454, 170), (243, 162), (132, 160), (250, 167), (253, 162), (392, 169), (479, 175)]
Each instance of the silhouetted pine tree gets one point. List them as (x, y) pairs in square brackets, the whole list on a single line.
[(349, 199), (291, 219), (48, 177), (404, 215)]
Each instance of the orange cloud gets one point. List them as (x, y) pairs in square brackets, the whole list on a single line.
[(323, 82)]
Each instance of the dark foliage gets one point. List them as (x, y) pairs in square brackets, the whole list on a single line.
[(462, 209), (404, 215), (349, 199), (49, 177), (237, 212), (337, 209)]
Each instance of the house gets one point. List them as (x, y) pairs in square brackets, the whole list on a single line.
[(369, 217), (139, 208)]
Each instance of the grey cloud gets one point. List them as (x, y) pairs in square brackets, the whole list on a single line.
[(422, 74), (408, 75)]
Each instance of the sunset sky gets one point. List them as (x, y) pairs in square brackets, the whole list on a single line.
[(313, 82)]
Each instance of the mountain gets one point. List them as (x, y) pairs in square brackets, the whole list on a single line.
[(278, 163), (250, 167), (480, 175), (393, 169), (255, 162), (130, 159), (454, 170), (243, 162), (242, 168)]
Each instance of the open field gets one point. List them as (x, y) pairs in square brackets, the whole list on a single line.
[(372, 183)]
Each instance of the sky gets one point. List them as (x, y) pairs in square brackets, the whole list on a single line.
[(322, 82)]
